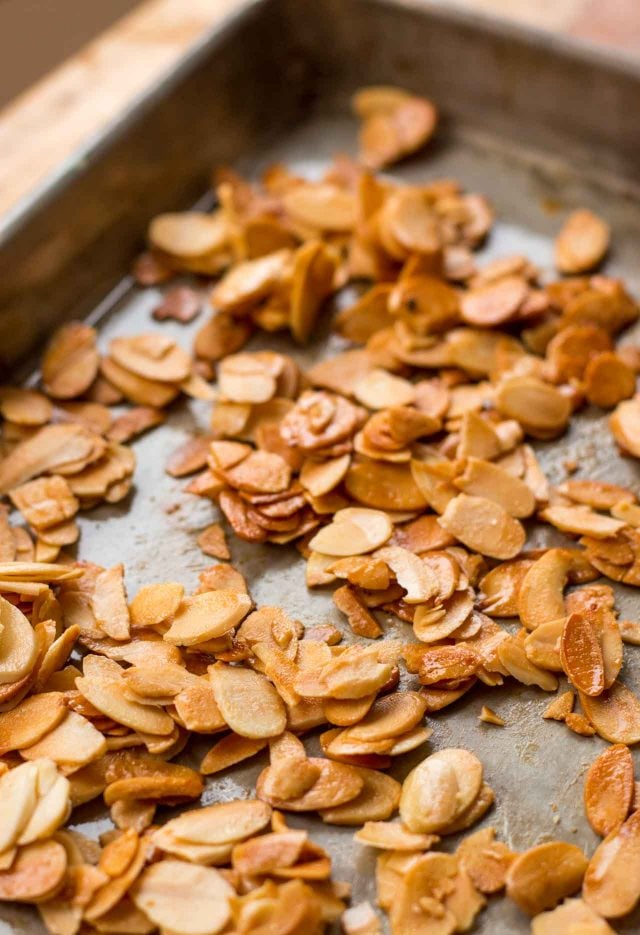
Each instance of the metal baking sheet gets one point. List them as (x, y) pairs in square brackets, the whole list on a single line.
[(535, 767)]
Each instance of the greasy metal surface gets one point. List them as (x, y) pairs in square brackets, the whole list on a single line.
[(535, 767)]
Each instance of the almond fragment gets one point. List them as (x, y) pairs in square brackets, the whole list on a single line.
[(560, 707), (30, 721), (155, 603), (514, 659), (490, 717), (187, 233), (336, 784), (579, 724), (582, 242), (485, 860), (376, 801), (212, 541), (393, 836), (608, 790), (624, 423), (18, 648), (361, 620), (484, 526), (541, 877), (109, 603)]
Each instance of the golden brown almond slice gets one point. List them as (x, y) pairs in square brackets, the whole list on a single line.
[(513, 658), (206, 616), (36, 875), (155, 603), (387, 136), (501, 586), (608, 380), (448, 664), (188, 234), (152, 356), (485, 860), (429, 799), (418, 907), (484, 526), (18, 647), (615, 714), (250, 281), (582, 242), (313, 276), (223, 823), (359, 617), (484, 479), (367, 315), (411, 573), (31, 720), (248, 701), (560, 707), (433, 624), (494, 303), (140, 390), (474, 813), (18, 800), (353, 531), (24, 407), (135, 422), (377, 801), (384, 486), (468, 771), (608, 789), (70, 362), (542, 645), (118, 854), (612, 881), (541, 877), (393, 836), (337, 783), (346, 713), (582, 521), (541, 409), (321, 206), (109, 698), (572, 916), (268, 853), (596, 494), (213, 542), (389, 717), (541, 595), (107, 896), (321, 477), (109, 602), (379, 389), (184, 898), (581, 655), (624, 423), (72, 744), (50, 450)]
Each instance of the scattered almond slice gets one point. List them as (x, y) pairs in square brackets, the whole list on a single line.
[(615, 714), (484, 526), (207, 616), (248, 702), (582, 242), (608, 790), (564, 918), (353, 531), (541, 877)]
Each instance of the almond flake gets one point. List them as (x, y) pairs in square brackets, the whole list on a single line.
[(541, 877)]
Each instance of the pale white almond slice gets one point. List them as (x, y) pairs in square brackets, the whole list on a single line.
[(429, 799), (542, 876), (71, 744), (389, 717), (412, 574), (483, 526), (51, 811), (582, 521), (321, 477), (379, 389), (18, 799), (353, 531), (31, 720), (223, 823), (207, 854), (393, 836), (612, 880), (18, 648), (109, 602), (484, 479), (248, 701), (109, 698), (206, 616), (183, 898), (376, 801), (468, 770), (573, 917), (155, 603)]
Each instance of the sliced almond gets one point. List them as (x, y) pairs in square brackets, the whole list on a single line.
[(540, 408), (109, 698), (376, 801), (484, 479), (581, 655), (248, 702), (184, 898), (484, 526), (564, 919), (31, 720), (393, 836), (612, 880), (541, 877), (36, 875), (608, 789), (582, 242), (615, 714), (429, 799), (70, 362), (155, 603), (336, 784), (207, 616), (72, 744), (321, 477), (18, 648), (353, 531), (485, 860), (379, 390), (110, 603)]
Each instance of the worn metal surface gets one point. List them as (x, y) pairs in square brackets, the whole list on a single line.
[(535, 767)]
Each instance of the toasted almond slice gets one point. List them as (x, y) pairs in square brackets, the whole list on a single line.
[(630, 631), (70, 362), (109, 603), (418, 904), (581, 655), (360, 920), (207, 616), (429, 799), (489, 716), (483, 526), (608, 380), (542, 645), (18, 648), (500, 587), (376, 801), (188, 233), (207, 854), (36, 874), (155, 603), (624, 423), (24, 407), (513, 657), (336, 784), (268, 853), (389, 716), (582, 242), (250, 281), (140, 390), (322, 206), (485, 860), (582, 521), (52, 808), (539, 407), (541, 877), (393, 836), (72, 744), (248, 701), (30, 721), (433, 624), (18, 800), (321, 477), (411, 573), (184, 898), (223, 823), (107, 896), (354, 531), (484, 479), (468, 771), (572, 916), (628, 512), (387, 136), (560, 707), (612, 881), (474, 813), (152, 356), (608, 789), (494, 303), (379, 389), (108, 697), (615, 714), (541, 594), (384, 486), (314, 269)]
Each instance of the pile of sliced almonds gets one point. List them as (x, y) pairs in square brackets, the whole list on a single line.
[(403, 469)]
